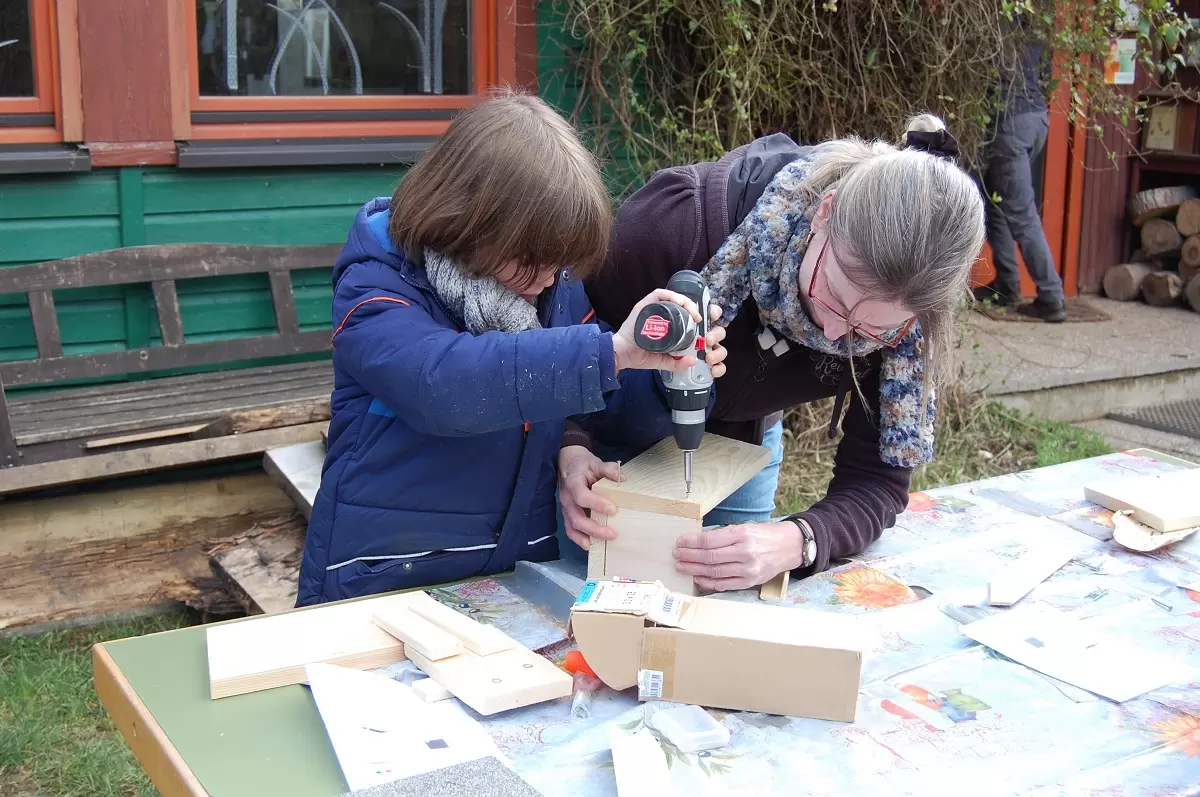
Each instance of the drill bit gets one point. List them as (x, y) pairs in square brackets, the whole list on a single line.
[(687, 473)]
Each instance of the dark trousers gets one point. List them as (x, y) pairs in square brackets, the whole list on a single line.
[(1012, 212)]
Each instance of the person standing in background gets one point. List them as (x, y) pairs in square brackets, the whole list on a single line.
[(1013, 216)]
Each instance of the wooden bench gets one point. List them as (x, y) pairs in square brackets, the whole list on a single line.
[(84, 433)]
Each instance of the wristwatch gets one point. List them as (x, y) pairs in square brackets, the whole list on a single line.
[(810, 541)]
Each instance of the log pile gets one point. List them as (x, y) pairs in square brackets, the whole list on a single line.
[(1165, 270)]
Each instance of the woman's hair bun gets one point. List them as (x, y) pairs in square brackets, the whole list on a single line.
[(925, 123)]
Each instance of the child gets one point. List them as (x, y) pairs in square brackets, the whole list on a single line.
[(460, 348)]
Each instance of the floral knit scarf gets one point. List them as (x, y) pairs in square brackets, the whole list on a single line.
[(762, 258)]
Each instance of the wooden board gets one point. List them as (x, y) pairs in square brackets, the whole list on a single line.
[(1170, 502), (297, 469), (502, 681), (775, 589), (480, 639), (263, 567), (417, 633), (643, 549), (113, 464), (143, 437), (430, 691), (272, 651), (1042, 561), (130, 407), (312, 411), (654, 479), (510, 676)]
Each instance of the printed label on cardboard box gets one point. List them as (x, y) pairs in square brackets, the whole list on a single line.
[(649, 599), (650, 684)]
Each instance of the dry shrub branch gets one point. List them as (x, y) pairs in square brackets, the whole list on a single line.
[(673, 81)]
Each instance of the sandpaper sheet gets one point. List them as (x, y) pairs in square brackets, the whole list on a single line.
[(483, 777)]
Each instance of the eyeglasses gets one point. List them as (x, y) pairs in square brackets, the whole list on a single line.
[(885, 337)]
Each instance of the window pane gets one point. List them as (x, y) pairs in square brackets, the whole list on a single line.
[(333, 47), (16, 50)]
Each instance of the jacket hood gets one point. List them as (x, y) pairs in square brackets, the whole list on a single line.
[(368, 240)]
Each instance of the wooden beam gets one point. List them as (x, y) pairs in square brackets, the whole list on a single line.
[(161, 358), (244, 421), (284, 301), (163, 764), (45, 324), (146, 460), (102, 551), (138, 264), (170, 319), (262, 568)]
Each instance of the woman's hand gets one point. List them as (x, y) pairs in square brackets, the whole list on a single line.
[(578, 470), (739, 557), (630, 355)]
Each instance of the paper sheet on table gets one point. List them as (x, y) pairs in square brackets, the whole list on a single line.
[(382, 732), (1076, 652)]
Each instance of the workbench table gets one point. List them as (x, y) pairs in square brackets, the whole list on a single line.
[(938, 714)]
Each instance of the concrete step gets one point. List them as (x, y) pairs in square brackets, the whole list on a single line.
[(1124, 436)]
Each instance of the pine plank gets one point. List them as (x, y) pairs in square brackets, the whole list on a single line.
[(417, 633), (654, 479), (272, 651), (480, 639)]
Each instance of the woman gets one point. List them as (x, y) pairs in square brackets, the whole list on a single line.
[(812, 253)]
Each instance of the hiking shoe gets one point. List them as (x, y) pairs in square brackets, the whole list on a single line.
[(1052, 311), (991, 295)]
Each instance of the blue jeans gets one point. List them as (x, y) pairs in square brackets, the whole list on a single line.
[(1016, 220), (753, 502)]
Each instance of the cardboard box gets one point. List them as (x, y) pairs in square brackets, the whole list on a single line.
[(720, 653)]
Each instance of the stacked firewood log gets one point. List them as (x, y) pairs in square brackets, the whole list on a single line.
[(1165, 270)]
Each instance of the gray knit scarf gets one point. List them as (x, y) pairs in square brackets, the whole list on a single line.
[(762, 258), (478, 304)]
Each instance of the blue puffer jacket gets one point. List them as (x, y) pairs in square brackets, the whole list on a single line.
[(442, 445)]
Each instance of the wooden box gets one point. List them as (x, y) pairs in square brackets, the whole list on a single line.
[(653, 510)]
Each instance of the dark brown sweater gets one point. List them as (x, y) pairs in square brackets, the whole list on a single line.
[(678, 221)]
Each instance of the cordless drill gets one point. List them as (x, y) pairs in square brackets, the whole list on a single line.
[(667, 328)]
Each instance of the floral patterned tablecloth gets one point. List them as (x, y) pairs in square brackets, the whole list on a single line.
[(938, 714)]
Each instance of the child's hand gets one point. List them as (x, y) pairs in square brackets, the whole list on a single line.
[(716, 352), (630, 355), (578, 470)]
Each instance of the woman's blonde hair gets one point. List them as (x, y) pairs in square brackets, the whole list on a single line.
[(508, 181), (910, 226)]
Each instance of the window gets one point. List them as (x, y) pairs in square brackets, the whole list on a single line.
[(312, 68), (27, 74)]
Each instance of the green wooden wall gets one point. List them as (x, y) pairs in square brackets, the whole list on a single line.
[(45, 217)]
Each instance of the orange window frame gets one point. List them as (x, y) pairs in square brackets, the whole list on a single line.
[(493, 42), (44, 28)]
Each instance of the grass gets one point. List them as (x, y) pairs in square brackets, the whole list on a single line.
[(976, 438), (56, 740)]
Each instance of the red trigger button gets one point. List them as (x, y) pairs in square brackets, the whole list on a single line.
[(700, 343)]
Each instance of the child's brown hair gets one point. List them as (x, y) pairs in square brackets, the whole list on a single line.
[(508, 181)]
